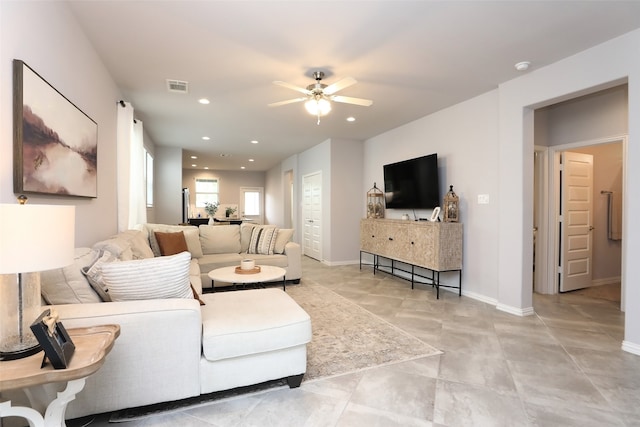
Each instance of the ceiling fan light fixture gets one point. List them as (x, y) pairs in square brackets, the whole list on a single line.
[(318, 107)]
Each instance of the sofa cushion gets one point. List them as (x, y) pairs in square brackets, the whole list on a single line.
[(153, 278), (284, 236), (213, 261), (236, 324), (263, 240), (245, 235), (171, 243), (277, 260), (191, 235), (68, 285), (220, 239)]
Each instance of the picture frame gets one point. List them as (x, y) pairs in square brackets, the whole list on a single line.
[(55, 144), (55, 341)]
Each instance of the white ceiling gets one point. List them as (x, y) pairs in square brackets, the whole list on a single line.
[(411, 58)]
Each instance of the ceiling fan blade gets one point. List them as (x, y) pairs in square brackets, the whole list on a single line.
[(288, 101), (350, 100), (290, 86), (339, 85)]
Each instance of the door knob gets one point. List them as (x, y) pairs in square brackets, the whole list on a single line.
[(591, 227)]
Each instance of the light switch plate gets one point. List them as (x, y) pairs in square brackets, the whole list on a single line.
[(483, 199)]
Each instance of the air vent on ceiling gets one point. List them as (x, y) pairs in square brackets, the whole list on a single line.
[(177, 86)]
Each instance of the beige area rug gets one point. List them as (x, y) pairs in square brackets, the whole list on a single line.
[(346, 338)]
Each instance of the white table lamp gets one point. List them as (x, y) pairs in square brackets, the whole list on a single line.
[(33, 238)]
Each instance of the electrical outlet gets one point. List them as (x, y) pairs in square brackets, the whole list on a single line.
[(483, 199)]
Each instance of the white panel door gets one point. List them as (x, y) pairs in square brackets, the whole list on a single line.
[(576, 240), (312, 215)]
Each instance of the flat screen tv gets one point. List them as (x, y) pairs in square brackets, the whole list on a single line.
[(412, 184)]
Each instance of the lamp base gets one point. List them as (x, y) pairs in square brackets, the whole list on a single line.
[(19, 354)]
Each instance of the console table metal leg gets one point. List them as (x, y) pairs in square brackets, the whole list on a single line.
[(412, 271), (459, 283), (437, 285)]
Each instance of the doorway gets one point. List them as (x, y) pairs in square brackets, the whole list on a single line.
[(312, 215), (550, 265)]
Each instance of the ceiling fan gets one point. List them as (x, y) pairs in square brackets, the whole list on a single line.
[(318, 96)]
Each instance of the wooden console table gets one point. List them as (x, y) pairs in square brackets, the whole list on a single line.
[(92, 346), (433, 246)]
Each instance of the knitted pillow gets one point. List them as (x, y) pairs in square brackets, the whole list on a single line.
[(263, 240)]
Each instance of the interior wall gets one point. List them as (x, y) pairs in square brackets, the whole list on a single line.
[(465, 137), (46, 36), (229, 184), (347, 200), (168, 189)]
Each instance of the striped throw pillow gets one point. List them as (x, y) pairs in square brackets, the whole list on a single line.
[(263, 240), (152, 278)]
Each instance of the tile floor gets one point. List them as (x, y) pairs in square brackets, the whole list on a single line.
[(561, 367)]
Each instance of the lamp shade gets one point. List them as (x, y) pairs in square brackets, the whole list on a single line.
[(36, 237)]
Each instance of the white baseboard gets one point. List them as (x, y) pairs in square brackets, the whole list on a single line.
[(335, 263), (477, 296), (630, 347), (528, 311), (606, 281)]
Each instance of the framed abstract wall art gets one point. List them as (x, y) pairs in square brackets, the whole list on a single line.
[(55, 143)]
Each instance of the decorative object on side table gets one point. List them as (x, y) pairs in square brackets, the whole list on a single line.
[(48, 242), (54, 339), (451, 206), (211, 209), (375, 202)]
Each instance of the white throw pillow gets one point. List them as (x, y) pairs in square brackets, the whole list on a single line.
[(284, 236), (245, 236), (93, 272), (68, 285), (153, 278), (263, 240)]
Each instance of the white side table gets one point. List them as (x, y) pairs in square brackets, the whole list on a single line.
[(92, 346), (268, 273)]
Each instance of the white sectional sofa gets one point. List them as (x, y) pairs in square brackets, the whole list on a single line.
[(215, 246), (174, 347)]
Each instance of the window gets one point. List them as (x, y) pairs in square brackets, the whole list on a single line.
[(148, 177), (206, 191), (252, 203)]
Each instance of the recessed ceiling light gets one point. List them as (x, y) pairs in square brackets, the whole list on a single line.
[(251, 160), (206, 138), (254, 142), (206, 167), (194, 157), (241, 167), (203, 101), (193, 166), (523, 66), (351, 119)]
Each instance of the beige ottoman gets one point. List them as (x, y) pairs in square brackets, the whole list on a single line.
[(253, 336)]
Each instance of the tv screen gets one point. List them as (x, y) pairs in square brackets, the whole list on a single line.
[(412, 184)]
